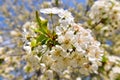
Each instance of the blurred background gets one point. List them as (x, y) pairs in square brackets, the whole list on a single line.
[(15, 13)]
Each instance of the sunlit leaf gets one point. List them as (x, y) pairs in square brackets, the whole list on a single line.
[(33, 43), (104, 58), (42, 24)]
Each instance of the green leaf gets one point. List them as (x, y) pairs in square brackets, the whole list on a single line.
[(37, 30), (38, 19), (33, 43), (45, 37), (42, 24), (104, 58), (42, 39)]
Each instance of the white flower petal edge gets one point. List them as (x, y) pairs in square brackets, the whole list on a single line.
[(53, 10)]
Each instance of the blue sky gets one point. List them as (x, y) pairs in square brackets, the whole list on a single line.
[(70, 1)]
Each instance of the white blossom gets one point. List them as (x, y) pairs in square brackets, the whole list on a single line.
[(27, 47), (53, 10), (107, 11), (76, 46)]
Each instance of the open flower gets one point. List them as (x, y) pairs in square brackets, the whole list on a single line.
[(51, 10)]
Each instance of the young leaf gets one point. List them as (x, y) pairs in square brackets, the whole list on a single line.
[(42, 39), (38, 19), (104, 58), (33, 43), (42, 24)]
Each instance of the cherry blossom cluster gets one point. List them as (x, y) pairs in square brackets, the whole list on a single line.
[(106, 12), (75, 47)]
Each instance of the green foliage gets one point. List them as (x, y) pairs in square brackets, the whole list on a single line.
[(42, 24), (46, 36), (42, 39), (33, 43), (104, 58)]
